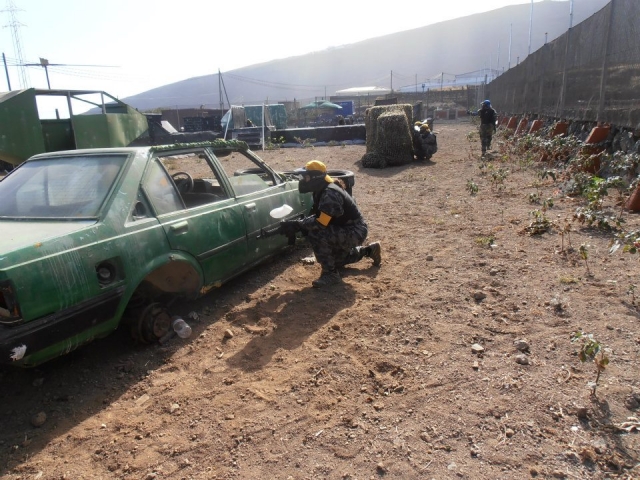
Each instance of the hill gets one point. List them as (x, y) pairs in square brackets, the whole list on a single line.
[(468, 44)]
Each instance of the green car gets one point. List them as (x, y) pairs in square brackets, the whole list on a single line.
[(93, 238)]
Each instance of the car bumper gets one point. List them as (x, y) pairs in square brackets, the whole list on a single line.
[(20, 341)]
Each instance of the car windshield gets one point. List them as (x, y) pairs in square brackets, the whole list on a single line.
[(73, 187)]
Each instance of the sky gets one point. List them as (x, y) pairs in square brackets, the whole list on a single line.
[(137, 45)]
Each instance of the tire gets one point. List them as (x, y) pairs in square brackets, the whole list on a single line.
[(347, 176)]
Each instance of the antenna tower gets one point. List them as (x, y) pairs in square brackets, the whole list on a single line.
[(15, 25)]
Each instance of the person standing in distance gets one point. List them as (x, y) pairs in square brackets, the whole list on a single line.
[(336, 228), (488, 121)]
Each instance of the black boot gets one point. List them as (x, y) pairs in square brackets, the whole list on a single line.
[(327, 278), (375, 253)]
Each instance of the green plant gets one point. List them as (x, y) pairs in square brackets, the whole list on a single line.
[(306, 142), (472, 187), (568, 279), (566, 230), (485, 241), (584, 254), (275, 143), (540, 223), (543, 174), (591, 350), (632, 291), (498, 176)]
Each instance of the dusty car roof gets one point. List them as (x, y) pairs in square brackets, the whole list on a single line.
[(215, 145)]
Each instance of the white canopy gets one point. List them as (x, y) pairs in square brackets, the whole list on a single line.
[(362, 90)]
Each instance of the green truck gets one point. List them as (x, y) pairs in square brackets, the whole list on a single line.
[(34, 121)]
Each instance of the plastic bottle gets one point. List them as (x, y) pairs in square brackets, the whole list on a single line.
[(181, 327)]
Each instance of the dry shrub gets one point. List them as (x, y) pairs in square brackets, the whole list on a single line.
[(388, 136)]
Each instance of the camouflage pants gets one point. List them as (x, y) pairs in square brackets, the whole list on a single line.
[(336, 246), (486, 132)]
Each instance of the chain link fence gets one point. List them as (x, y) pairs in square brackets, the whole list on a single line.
[(591, 73)]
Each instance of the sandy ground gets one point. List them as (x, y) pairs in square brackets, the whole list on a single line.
[(407, 371)]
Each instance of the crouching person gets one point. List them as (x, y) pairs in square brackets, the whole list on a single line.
[(428, 141), (335, 229)]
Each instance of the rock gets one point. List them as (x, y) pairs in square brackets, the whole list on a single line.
[(429, 258), (174, 407), (479, 296), (582, 413), (632, 402), (522, 359), (476, 348), (380, 468), (475, 365), (558, 474), (521, 345), (253, 329), (227, 334), (38, 419), (229, 416), (572, 456), (493, 272), (509, 432)]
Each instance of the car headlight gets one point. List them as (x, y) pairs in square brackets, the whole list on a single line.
[(9, 310)]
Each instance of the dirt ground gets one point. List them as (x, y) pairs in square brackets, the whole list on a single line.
[(407, 371)]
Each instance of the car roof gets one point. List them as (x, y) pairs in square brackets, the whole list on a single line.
[(216, 145)]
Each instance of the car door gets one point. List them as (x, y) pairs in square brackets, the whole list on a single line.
[(258, 190), (213, 229)]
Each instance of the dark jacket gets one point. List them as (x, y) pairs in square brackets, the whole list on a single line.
[(488, 116), (336, 203)]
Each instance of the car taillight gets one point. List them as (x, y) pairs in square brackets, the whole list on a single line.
[(9, 311)]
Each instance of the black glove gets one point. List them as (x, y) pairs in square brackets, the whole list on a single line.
[(289, 228)]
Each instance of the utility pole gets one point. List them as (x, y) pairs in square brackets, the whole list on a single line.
[(45, 63), (15, 25), (530, 26), (510, 40), (220, 92), (6, 70), (563, 87), (605, 64)]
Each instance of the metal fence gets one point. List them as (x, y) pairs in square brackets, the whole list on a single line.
[(591, 73)]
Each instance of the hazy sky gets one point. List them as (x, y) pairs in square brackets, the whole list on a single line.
[(154, 43)]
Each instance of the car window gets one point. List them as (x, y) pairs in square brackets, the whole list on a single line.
[(161, 190), (59, 187), (245, 174), (197, 181)]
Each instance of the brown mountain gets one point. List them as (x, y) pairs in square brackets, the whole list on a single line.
[(474, 43)]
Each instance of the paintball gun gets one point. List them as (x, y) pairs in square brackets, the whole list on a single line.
[(288, 228)]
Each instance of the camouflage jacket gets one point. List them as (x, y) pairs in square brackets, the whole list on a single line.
[(332, 206)]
